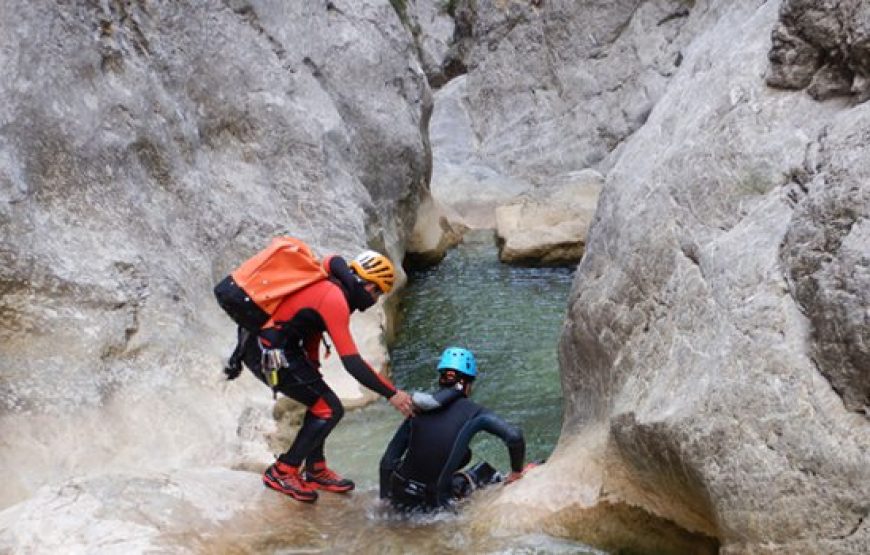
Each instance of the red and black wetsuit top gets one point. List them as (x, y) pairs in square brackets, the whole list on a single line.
[(299, 322)]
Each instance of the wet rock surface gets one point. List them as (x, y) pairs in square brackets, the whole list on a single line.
[(146, 150)]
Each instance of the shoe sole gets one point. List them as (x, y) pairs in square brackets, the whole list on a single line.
[(334, 489), (327, 487), (272, 484)]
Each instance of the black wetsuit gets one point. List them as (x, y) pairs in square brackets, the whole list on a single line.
[(417, 468)]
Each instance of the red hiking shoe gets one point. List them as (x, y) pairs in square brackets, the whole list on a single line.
[(287, 479), (319, 476)]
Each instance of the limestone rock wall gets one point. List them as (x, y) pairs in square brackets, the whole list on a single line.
[(557, 86), (718, 323), (146, 148), (714, 355), (551, 88), (823, 47)]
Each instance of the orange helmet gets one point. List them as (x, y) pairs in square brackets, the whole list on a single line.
[(376, 268)]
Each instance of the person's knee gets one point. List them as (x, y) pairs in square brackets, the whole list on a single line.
[(337, 411), (326, 408)]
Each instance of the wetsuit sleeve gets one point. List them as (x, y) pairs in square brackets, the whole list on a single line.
[(336, 317), (431, 401), (488, 422), (366, 375), (511, 435), (393, 456)]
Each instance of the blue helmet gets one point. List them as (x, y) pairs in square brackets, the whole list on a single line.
[(461, 360)]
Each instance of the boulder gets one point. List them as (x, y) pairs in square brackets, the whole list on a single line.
[(548, 226), (436, 230)]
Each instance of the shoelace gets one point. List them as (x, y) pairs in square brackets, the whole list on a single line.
[(327, 474), (293, 480)]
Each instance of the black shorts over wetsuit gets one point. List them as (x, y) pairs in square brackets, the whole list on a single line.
[(417, 468)]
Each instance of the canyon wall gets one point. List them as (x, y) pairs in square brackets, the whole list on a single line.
[(146, 149)]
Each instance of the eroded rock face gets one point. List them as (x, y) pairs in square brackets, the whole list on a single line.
[(146, 150), (826, 254), (557, 86), (716, 333), (552, 88), (438, 29), (823, 47), (462, 180), (436, 231)]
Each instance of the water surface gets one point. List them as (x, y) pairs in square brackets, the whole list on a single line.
[(511, 319)]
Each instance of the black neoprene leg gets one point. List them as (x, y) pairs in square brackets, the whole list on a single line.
[(337, 412), (324, 411)]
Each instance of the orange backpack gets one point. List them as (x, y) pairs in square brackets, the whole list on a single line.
[(252, 293)]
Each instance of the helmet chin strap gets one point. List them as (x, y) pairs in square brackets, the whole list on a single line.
[(360, 299)]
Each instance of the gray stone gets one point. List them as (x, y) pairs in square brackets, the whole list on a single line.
[(135, 513), (434, 29), (557, 86), (548, 225), (826, 252), (434, 233), (552, 88), (714, 355), (823, 45), (146, 149), (462, 180)]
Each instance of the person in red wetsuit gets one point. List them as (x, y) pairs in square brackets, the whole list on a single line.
[(294, 334)]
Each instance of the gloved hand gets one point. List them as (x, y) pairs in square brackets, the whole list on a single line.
[(232, 369)]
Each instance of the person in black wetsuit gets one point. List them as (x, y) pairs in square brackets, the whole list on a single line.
[(421, 468)]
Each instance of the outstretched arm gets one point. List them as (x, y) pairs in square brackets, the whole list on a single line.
[(512, 436), (432, 401), (336, 318)]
